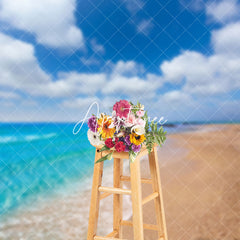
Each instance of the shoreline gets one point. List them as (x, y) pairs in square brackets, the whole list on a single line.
[(195, 188)]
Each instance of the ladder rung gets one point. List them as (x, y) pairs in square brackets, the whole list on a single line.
[(104, 195), (112, 234), (143, 180), (114, 190), (146, 226), (149, 198), (107, 238)]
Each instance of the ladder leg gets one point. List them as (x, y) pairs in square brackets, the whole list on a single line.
[(94, 205), (136, 199), (117, 198), (160, 215)]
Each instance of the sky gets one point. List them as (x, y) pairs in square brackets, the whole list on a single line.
[(180, 58)]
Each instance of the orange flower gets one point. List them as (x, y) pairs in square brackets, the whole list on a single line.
[(104, 122)]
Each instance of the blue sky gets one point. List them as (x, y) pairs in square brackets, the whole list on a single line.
[(180, 58)]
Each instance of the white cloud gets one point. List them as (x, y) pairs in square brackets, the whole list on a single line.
[(223, 11), (178, 68), (145, 26), (20, 70), (52, 22), (19, 66), (227, 40), (96, 47), (74, 83), (132, 86), (128, 68), (215, 74)]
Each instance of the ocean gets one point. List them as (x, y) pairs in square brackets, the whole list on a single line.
[(41, 160)]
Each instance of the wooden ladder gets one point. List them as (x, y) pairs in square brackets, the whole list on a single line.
[(100, 192)]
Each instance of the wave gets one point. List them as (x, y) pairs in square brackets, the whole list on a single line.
[(27, 138)]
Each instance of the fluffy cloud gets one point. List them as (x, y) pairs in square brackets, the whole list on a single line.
[(74, 83), (52, 22), (128, 68), (18, 65), (215, 74), (223, 11), (20, 70), (132, 86), (226, 41)]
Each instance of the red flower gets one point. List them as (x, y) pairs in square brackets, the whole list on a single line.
[(120, 147), (109, 143)]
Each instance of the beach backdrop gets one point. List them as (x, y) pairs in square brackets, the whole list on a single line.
[(46, 175), (179, 58)]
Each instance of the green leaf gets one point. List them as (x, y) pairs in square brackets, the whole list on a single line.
[(107, 157), (104, 148)]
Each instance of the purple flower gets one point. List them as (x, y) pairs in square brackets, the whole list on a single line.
[(127, 140), (136, 148), (126, 148), (92, 123)]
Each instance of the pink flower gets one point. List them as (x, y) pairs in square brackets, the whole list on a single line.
[(122, 108), (131, 120), (141, 122), (140, 113)]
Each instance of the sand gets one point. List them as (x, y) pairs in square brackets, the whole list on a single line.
[(200, 175)]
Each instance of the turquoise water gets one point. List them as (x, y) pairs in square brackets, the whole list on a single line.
[(37, 159)]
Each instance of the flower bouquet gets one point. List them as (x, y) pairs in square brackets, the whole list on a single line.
[(127, 130)]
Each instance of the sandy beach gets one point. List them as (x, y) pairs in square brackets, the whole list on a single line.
[(201, 185)]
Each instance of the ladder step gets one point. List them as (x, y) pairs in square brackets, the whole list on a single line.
[(104, 195), (107, 238), (143, 180), (114, 190), (149, 198), (146, 226)]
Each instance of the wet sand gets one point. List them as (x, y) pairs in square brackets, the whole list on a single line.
[(200, 175)]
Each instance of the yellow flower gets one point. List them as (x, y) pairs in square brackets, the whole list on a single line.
[(104, 122), (137, 139)]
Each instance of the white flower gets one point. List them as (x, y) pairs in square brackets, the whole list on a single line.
[(138, 129), (94, 138)]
